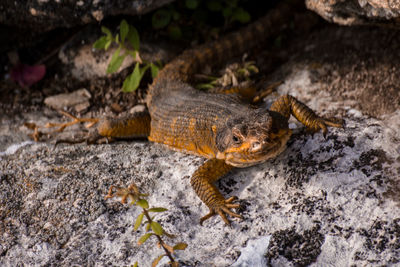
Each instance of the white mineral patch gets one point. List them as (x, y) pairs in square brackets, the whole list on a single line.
[(253, 255), (14, 148)]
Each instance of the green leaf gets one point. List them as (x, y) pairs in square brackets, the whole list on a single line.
[(100, 43), (135, 265), (143, 238), (116, 39), (161, 18), (108, 44), (214, 5), (157, 260), (241, 15), (157, 228), (123, 29), (106, 31), (143, 70), (130, 84), (180, 246), (157, 209), (133, 37), (142, 202), (147, 226), (191, 4), (154, 70), (139, 220), (116, 61)]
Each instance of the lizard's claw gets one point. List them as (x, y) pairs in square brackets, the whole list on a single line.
[(222, 208), (322, 123)]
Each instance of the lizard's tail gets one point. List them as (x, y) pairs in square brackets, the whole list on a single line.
[(189, 62)]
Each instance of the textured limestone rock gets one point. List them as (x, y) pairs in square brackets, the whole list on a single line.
[(323, 202), (355, 12)]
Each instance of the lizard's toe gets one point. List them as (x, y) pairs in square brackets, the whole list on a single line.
[(222, 209), (322, 124)]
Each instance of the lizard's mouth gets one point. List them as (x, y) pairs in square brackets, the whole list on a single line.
[(245, 158)]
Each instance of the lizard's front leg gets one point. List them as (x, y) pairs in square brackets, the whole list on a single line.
[(202, 182), (287, 105)]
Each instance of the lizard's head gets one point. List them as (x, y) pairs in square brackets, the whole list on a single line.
[(252, 138)]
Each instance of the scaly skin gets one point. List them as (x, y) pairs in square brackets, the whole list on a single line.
[(219, 127)]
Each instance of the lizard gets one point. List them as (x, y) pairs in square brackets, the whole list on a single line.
[(224, 129)]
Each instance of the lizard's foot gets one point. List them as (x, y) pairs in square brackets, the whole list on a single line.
[(321, 124), (75, 120), (223, 208), (91, 138), (265, 92)]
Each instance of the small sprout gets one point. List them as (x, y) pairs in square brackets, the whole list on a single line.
[(116, 61), (167, 247), (139, 220), (157, 260), (106, 31), (132, 82), (157, 209), (156, 227), (135, 265), (154, 70), (143, 203), (133, 192), (133, 37), (147, 226), (180, 246), (124, 30), (144, 238), (101, 43), (128, 42)]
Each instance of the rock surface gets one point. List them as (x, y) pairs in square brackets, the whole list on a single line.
[(323, 202), (355, 12), (44, 15)]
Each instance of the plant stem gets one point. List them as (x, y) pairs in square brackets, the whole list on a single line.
[(146, 213)]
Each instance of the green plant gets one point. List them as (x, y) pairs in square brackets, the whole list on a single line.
[(128, 43), (152, 228)]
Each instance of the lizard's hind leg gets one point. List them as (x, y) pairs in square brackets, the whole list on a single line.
[(131, 126), (249, 92)]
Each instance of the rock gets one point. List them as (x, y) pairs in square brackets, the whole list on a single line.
[(79, 100), (357, 11), (86, 64), (44, 15), (330, 201), (319, 199)]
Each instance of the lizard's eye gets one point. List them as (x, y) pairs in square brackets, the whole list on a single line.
[(236, 139)]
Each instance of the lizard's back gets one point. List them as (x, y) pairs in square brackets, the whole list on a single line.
[(186, 119)]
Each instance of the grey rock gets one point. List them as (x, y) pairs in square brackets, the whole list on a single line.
[(318, 199), (79, 100), (44, 15), (355, 12), (323, 202), (85, 63)]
